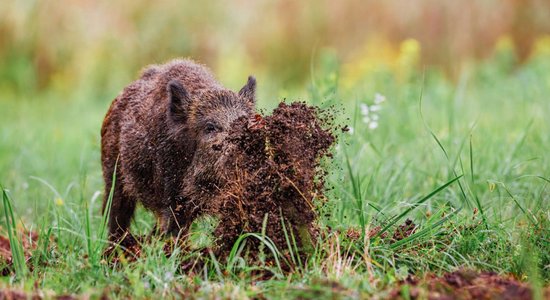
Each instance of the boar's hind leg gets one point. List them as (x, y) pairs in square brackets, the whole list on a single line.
[(122, 210)]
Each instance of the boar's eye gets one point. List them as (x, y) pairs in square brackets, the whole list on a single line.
[(210, 127)]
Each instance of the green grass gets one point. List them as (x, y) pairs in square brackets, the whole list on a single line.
[(467, 161)]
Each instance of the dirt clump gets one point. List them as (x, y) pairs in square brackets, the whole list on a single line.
[(404, 230), (275, 179)]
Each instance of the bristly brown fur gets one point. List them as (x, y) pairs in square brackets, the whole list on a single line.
[(165, 133)]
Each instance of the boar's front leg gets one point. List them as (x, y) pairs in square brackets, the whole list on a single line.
[(172, 222)]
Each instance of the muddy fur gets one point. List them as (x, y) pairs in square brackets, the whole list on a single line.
[(166, 131)]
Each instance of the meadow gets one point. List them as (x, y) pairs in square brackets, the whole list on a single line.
[(444, 167), (465, 160)]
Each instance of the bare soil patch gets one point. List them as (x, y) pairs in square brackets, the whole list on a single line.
[(464, 284)]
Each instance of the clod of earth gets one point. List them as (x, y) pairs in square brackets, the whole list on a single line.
[(275, 179)]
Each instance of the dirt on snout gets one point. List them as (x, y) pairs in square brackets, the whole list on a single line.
[(276, 182)]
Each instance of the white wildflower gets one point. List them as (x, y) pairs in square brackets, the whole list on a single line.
[(375, 107), (379, 98), (364, 109), (370, 112), (350, 130)]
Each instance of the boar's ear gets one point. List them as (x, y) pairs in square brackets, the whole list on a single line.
[(248, 92), (179, 101)]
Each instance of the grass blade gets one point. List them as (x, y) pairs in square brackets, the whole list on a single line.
[(107, 209), (265, 240), (357, 195), (287, 238), (17, 252)]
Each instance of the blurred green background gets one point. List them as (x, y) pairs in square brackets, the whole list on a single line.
[(99, 46)]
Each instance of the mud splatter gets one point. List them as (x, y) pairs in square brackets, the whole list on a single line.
[(276, 181)]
